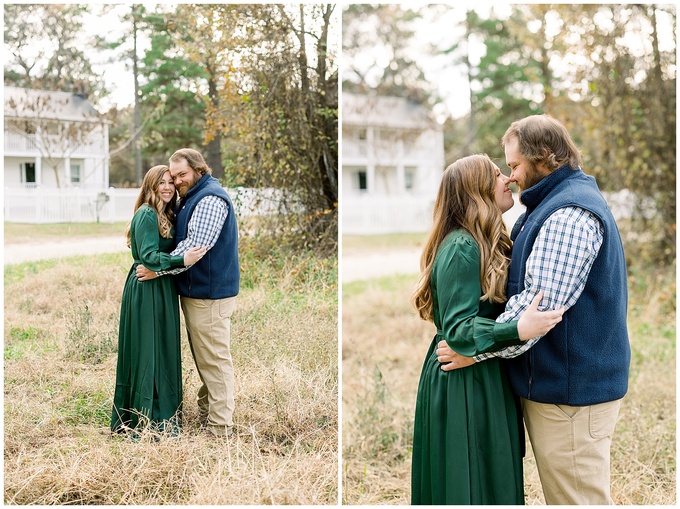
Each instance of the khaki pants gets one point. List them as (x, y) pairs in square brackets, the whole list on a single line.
[(208, 324), (571, 445)]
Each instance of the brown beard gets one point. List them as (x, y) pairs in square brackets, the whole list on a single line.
[(532, 177), (193, 183)]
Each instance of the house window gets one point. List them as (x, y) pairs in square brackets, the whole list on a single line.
[(52, 128), (75, 174), (361, 183), (28, 173), (362, 134), (409, 177)]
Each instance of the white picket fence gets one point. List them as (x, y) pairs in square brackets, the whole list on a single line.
[(371, 215), (43, 205), (361, 215)]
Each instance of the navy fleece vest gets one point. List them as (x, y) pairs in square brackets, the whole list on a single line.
[(585, 359), (216, 275)]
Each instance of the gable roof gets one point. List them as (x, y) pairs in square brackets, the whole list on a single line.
[(46, 104), (385, 111)]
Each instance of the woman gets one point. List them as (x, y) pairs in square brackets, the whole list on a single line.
[(149, 372), (468, 437)]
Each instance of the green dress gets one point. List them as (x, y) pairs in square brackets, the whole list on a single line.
[(468, 438), (149, 371)]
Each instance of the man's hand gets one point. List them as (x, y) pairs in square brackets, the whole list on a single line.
[(144, 274), (455, 361)]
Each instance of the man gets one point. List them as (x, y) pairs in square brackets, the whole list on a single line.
[(572, 381), (208, 288)]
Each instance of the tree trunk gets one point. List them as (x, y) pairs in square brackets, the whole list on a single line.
[(328, 160), (138, 112), (213, 148)]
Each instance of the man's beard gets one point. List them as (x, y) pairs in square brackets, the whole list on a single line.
[(533, 176), (184, 190)]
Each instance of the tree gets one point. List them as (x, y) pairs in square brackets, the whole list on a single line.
[(626, 111), (175, 113), (44, 45), (277, 113), (505, 85), (200, 32), (378, 56)]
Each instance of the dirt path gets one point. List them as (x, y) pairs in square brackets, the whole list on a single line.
[(355, 267), (373, 264), (33, 251)]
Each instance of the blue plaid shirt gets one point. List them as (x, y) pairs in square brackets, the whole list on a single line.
[(204, 227), (560, 261)]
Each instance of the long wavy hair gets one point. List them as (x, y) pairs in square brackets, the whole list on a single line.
[(149, 195), (466, 200)]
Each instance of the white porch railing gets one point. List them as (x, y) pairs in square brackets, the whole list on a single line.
[(53, 145), (15, 141), (45, 205)]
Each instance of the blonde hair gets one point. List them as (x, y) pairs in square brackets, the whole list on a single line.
[(544, 139), (466, 200), (148, 195)]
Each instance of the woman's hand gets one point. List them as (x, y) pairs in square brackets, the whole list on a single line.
[(193, 255), (451, 360), (535, 323)]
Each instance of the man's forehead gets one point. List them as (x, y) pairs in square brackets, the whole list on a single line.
[(178, 165), (512, 151)]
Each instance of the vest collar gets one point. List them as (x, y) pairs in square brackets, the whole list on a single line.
[(533, 196)]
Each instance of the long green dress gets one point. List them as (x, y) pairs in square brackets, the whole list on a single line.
[(468, 439), (149, 372)]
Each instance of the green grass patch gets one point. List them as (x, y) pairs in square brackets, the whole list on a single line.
[(23, 339), (359, 243), (23, 232), (390, 284), (15, 273), (86, 408)]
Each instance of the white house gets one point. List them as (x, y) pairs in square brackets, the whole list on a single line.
[(54, 140), (392, 163)]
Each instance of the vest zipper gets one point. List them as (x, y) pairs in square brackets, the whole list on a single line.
[(531, 358)]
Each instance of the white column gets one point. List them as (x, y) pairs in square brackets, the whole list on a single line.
[(67, 171), (370, 160), (38, 171), (370, 178), (401, 179), (106, 155)]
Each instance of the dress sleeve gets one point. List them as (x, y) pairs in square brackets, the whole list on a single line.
[(456, 278), (147, 241)]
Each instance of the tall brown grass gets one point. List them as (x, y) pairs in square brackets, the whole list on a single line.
[(383, 348), (61, 320)]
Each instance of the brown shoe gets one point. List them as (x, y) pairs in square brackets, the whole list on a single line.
[(219, 431)]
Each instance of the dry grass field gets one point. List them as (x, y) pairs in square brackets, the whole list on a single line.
[(61, 320), (383, 348)]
